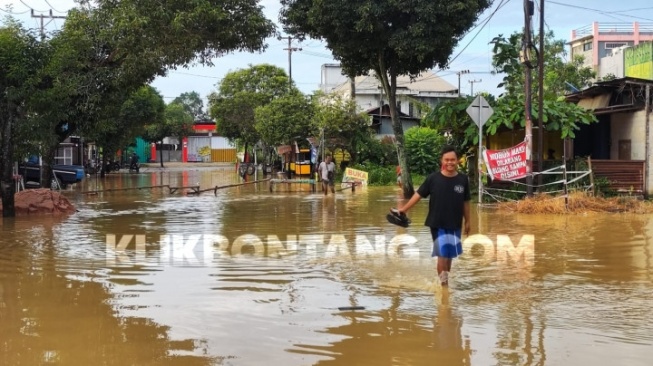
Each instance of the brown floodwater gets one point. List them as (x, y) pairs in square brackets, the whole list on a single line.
[(252, 277)]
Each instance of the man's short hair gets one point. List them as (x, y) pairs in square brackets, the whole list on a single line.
[(447, 149)]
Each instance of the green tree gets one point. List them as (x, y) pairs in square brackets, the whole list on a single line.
[(239, 94), (175, 122), (107, 50), (337, 120), (450, 118), (123, 125), (285, 119), (558, 115), (21, 56), (388, 37), (192, 103)]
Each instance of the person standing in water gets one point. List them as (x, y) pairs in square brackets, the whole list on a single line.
[(327, 171), (448, 205)]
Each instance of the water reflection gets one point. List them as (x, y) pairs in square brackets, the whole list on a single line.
[(584, 298)]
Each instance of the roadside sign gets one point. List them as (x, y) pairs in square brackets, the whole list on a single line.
[(480, 111)]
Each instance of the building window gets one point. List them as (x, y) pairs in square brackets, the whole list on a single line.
[(399, 105), (410, 109), (587, 46), (611, 45)]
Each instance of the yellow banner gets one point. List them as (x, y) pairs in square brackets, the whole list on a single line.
[(638, 61)]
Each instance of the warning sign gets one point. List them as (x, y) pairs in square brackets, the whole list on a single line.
[(507, 164)]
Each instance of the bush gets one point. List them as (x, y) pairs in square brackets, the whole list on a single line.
[(385, 175), (423, 147), (377, 152), (378, 175)]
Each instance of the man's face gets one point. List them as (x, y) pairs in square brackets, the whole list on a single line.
[(450, 162), (328, 159)]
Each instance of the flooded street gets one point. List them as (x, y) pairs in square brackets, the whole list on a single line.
[(253, 277)]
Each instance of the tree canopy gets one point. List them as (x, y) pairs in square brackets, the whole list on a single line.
[(21, 57), (192, 103), (107, 50), (558, 115), (240, 93), (388, 37), (285, 119), (338, 121), (173, 121)]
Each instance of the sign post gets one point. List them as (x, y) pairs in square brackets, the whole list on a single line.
[(480, 111)]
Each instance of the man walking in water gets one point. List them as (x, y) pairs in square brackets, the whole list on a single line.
[(448, 206), (327, 171)]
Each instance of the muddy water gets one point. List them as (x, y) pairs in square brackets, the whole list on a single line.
[(268, 288)]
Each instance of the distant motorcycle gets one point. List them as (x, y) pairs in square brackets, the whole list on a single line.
[(134, 167), (112, 166)]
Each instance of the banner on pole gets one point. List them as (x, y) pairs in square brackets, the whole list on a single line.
[(507, 164)]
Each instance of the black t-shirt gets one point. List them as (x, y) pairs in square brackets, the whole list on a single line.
[(448, 195)]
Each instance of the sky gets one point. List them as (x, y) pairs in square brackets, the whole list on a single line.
[(473, 53)]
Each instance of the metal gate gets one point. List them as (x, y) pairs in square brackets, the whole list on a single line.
[(195, 143)]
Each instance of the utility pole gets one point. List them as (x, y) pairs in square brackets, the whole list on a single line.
[(540, 98), (526, 61), (290, 50), (42, 17), (461, 73), (472, 82)]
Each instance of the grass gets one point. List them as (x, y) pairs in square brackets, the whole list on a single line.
[(578, 202)]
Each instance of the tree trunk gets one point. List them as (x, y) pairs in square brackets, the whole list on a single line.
[(6, 181), (47, 161), (103, 164), (388, 79), (161, 153)]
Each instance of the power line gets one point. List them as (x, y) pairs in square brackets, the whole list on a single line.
[(43, 17), (31, 8), (629, 10), (501, 4), (12, 13), (198, 75), (290, 50), (602, 12), (317, 54), (53, 8)]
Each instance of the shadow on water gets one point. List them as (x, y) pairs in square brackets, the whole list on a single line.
[(267, 284)]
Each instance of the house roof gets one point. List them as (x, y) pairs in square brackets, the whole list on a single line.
[(603, 87), (384, 111), (605, 97), (427, 82)]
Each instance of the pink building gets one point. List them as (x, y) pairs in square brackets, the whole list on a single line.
[(598, 40)]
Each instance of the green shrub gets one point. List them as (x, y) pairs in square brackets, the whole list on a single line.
[(423, 147), (378, 175), (379, 152), (385, 175)]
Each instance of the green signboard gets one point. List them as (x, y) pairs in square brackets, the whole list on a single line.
[(638, 61)]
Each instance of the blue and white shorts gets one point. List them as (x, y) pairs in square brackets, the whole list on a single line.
[(446, 243)]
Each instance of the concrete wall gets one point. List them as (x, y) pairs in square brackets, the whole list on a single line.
[(632, 126), (331, 77), (628, 126), (612, 64)]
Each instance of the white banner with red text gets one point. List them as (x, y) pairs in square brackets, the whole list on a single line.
[(507, 164)]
